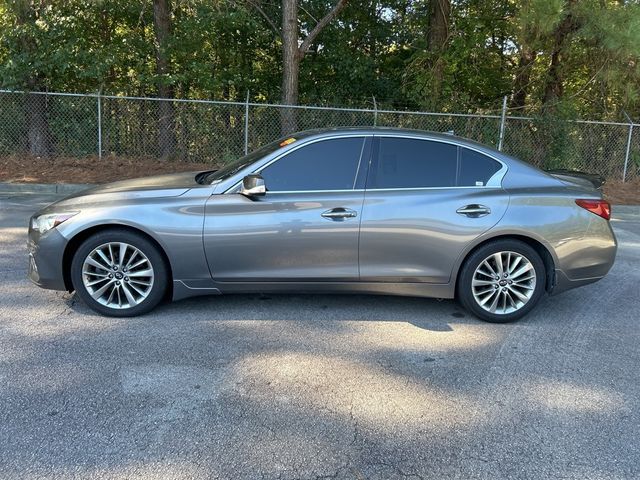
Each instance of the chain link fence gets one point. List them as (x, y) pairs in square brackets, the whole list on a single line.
[(73, 125)]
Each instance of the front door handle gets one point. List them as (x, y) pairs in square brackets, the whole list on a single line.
[(339, 213), (474, 210)]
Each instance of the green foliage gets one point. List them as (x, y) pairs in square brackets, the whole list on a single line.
[(223, 48)]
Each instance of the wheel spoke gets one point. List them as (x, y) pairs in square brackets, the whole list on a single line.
[(523, 280), (127, 293), (492, 307), (512, 302), (95, 274), (133, 255), (515, 263), (104, 258), (134, 288), (119, 298), (486, 264), (93, 263), (98, 293), (122, 250), (486, 274), (521, 271), (96, 282), (141, 273), (521, 296), (138, 263), (498, 259), (113, 290), (478, 292)]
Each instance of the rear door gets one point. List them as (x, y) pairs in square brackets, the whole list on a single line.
[(306, 226), (425, 201)]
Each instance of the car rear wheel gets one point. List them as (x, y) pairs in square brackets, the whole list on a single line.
[(119, 273), (502, 281)]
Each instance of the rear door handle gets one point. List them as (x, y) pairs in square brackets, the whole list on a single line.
[(339, 213), (474, 210)]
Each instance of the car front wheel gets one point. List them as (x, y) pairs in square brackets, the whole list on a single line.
[(502, 281), (119, 273)]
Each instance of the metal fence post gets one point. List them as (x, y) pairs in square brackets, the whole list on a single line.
[(246, 125), (375, 112), (626, 155), (503, 119), (99, 126)]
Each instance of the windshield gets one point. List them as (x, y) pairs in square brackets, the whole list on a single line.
[(234, 167)]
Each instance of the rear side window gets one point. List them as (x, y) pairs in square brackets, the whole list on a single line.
[(475, 168), (413, 163), (324, 165)]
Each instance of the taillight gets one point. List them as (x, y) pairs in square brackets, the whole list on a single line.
[(602, 208)]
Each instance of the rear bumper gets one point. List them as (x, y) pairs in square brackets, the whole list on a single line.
[(588, 259), (45, 259), (564, 283)]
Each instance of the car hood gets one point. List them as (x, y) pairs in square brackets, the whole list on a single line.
[(171, 185)]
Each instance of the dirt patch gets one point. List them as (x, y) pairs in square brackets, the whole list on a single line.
[(619, 193), (26, 169)]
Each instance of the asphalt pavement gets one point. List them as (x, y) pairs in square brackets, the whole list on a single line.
[(319, 386)]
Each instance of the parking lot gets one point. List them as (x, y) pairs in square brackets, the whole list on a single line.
[(318, 386)]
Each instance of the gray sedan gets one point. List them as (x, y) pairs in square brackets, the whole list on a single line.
[(381, 211)]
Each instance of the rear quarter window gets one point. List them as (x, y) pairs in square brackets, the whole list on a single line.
[(475, 168)]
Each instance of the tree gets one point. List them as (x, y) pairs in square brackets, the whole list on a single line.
[(39, 138), (438, 34), (166, 120), (554, 84), (293, 51)]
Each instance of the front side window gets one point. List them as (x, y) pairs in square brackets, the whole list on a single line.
[(324, 165), (413, 163)]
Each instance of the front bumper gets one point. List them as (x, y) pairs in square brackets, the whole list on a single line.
[(46, 259)]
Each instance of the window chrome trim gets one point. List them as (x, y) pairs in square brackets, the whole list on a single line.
[(364, 136), (400, 189)]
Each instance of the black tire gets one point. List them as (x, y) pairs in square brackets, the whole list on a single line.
[(155, 293), (465, 290)]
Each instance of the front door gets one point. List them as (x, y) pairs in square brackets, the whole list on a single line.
[(306, 226)]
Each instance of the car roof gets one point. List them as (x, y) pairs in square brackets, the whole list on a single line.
[(322, 132)]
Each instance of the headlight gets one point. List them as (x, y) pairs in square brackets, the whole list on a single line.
[(44, 223)]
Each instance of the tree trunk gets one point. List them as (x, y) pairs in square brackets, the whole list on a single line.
[(554, 87), (523, 77), (38, 132), (166, 113), (39, 138), (438, 35), (292, 54), (290, 65)]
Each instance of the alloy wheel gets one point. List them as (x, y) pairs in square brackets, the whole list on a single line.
[(503, 282), (117, 275)]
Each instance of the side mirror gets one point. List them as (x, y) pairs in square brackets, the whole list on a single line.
[(253, 186)]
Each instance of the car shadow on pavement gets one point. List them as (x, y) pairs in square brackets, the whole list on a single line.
[(424, 313)]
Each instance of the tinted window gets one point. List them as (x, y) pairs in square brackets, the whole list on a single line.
[(411, 163), (475, 168), (324, 165)]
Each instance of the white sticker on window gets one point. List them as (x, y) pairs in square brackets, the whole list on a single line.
[(479, 184)]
